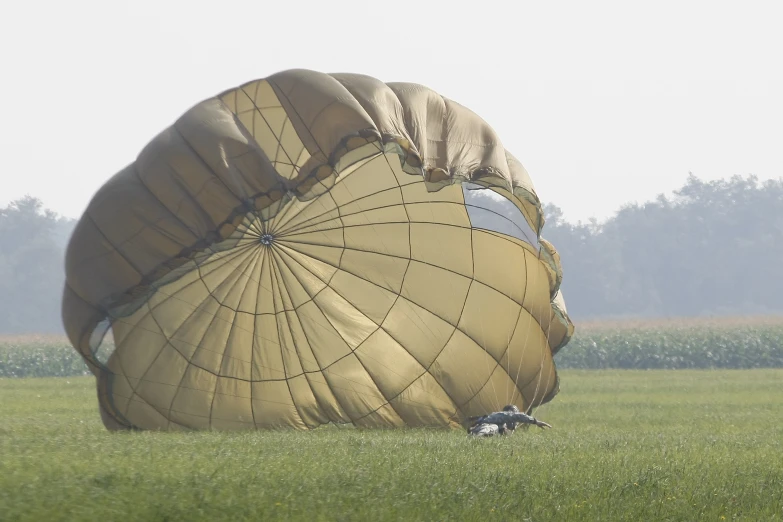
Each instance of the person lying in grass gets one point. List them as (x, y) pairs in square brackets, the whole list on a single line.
[(501, 422)]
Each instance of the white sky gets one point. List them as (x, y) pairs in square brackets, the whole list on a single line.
[(603, 102)]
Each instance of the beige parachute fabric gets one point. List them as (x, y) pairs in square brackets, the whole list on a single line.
[(313, 248)]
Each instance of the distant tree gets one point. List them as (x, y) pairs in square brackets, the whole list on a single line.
[(31, 267)]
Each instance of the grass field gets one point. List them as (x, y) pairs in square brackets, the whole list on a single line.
[(626, 445)]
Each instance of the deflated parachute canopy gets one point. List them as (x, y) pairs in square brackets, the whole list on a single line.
[(313, 248)]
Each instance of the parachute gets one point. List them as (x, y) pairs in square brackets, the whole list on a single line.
[(308, 249)]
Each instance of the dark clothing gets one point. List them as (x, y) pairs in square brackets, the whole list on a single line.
[(499, 423)]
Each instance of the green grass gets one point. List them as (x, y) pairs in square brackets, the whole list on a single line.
[(626, 445)]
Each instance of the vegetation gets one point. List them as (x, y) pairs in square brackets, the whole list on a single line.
[(626, 445), (737, 343), (39, 356)]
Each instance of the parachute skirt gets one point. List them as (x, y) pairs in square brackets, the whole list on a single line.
[(309, 249)]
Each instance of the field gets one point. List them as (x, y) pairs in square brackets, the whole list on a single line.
[(627, 444)]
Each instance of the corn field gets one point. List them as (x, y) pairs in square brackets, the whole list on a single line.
[(728, 343), (39, 356)]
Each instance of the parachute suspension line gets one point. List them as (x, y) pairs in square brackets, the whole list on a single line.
[(527, 336), (549, 376), (530, 325), (543, 358), (509, 335), (540, 370), (509, 397), (548, 347), (490, 372)]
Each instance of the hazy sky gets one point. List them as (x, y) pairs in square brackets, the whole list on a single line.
[(603, 102)]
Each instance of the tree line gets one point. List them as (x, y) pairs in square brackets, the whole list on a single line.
[(712, 248)]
